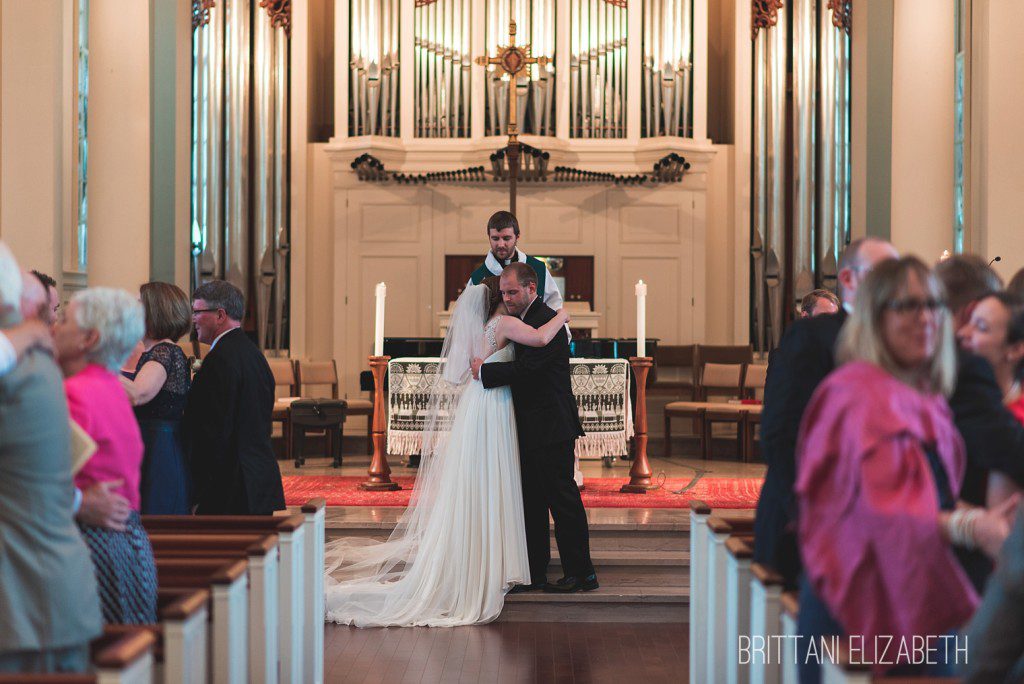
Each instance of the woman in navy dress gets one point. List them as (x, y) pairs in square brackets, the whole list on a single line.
[(158, 387)]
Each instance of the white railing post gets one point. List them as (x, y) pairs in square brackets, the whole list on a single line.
[(699, 512)]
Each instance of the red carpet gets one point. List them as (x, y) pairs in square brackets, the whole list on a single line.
[(603, 492)]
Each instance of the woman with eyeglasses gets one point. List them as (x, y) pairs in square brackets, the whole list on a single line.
[(995, 332), (879, 468)]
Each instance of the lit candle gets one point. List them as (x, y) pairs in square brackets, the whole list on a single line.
[(378, 330), (641, 318), (945, 255)]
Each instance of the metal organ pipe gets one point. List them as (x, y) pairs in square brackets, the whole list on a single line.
[(374, 67), (667, 67)]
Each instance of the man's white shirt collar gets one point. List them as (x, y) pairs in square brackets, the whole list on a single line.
[(496, 267), (217, 338)]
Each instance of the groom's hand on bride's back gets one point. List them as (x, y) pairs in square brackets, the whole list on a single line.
[(476, 363)]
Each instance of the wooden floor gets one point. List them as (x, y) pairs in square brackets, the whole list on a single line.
[(509, 652)]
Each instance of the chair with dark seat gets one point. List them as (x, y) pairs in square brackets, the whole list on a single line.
[(283, 370), (331, 416), (722, 381)]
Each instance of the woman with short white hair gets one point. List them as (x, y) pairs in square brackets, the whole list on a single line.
[(94, 335)]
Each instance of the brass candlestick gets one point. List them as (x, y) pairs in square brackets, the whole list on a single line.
[(380, 471), (640, 473)]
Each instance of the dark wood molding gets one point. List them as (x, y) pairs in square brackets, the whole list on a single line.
[(764, 14)]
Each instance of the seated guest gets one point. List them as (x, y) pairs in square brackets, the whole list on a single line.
[(818, 302), (803, 358), (227, 416), (50, 609), (879, 467), (995, 332), (93, 335), (158, 387)]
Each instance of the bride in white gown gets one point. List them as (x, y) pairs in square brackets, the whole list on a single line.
[(460, 545)]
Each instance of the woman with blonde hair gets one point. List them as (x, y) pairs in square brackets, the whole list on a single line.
[(879, 469), (158, 388)]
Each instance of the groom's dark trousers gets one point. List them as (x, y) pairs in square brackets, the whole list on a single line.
[(548, 424)]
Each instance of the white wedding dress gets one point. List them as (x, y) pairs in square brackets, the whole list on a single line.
[(461, 545)]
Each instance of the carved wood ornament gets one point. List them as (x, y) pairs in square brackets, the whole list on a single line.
[(201, 12), (841, 14), (763, 15), (280, 12)]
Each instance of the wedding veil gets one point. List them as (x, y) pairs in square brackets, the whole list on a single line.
[(358, 569)]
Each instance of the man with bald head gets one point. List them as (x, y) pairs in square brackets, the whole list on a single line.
[(805, 355)]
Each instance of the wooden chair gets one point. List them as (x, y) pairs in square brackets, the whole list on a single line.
[(284, 376), (717, 380), (754, 379), (675, 369), (364, 407), (322, 373), (715, 353)]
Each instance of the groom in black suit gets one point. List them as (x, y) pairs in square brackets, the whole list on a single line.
[(548, 424)]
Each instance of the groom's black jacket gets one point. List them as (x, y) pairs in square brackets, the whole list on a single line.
[(546, 411)]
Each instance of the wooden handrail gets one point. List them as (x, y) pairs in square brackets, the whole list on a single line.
[(32, 678), (121, 631), (699, 507), (185, 605), (198, 572), (739, 548), (118, 651), (766, 575), (223, 524), (171, 543), (723, 524), (314, 505)]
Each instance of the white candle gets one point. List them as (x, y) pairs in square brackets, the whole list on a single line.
[(641, 318), (378, 330)]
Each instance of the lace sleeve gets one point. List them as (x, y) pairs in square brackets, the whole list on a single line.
[(172, 358), (489, 332)]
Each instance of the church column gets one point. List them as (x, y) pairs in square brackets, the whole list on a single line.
[(171, 126), (922, 127), (871, 117), (997, 107), (33, 117), (119, 143)]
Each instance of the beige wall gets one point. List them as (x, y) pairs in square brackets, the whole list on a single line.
[(119, 143), (998, 108), (31, 132), (921, 220)]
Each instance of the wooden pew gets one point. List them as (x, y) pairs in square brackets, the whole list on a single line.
[(314, 512), (765, 621), (184, 616), (293, 577), (260, 550), (699, 514), (119, 656), (721, 528), (228, 583), (739, 553)]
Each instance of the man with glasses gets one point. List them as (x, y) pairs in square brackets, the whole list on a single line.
[(227, 417), (805, 355)]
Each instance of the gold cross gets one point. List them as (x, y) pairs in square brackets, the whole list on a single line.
[(512, 59)]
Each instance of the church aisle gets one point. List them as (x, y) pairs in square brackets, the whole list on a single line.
[(509, 652)]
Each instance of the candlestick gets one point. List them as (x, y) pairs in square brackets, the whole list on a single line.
[(641, 318), (378, 330)]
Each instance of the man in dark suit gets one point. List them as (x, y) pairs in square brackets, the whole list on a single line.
[(227, 417), (805, 355), (547, 420)]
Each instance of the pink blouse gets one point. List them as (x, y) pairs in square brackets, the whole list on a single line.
[(869, 512), (1017, 408), (99, 404)]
